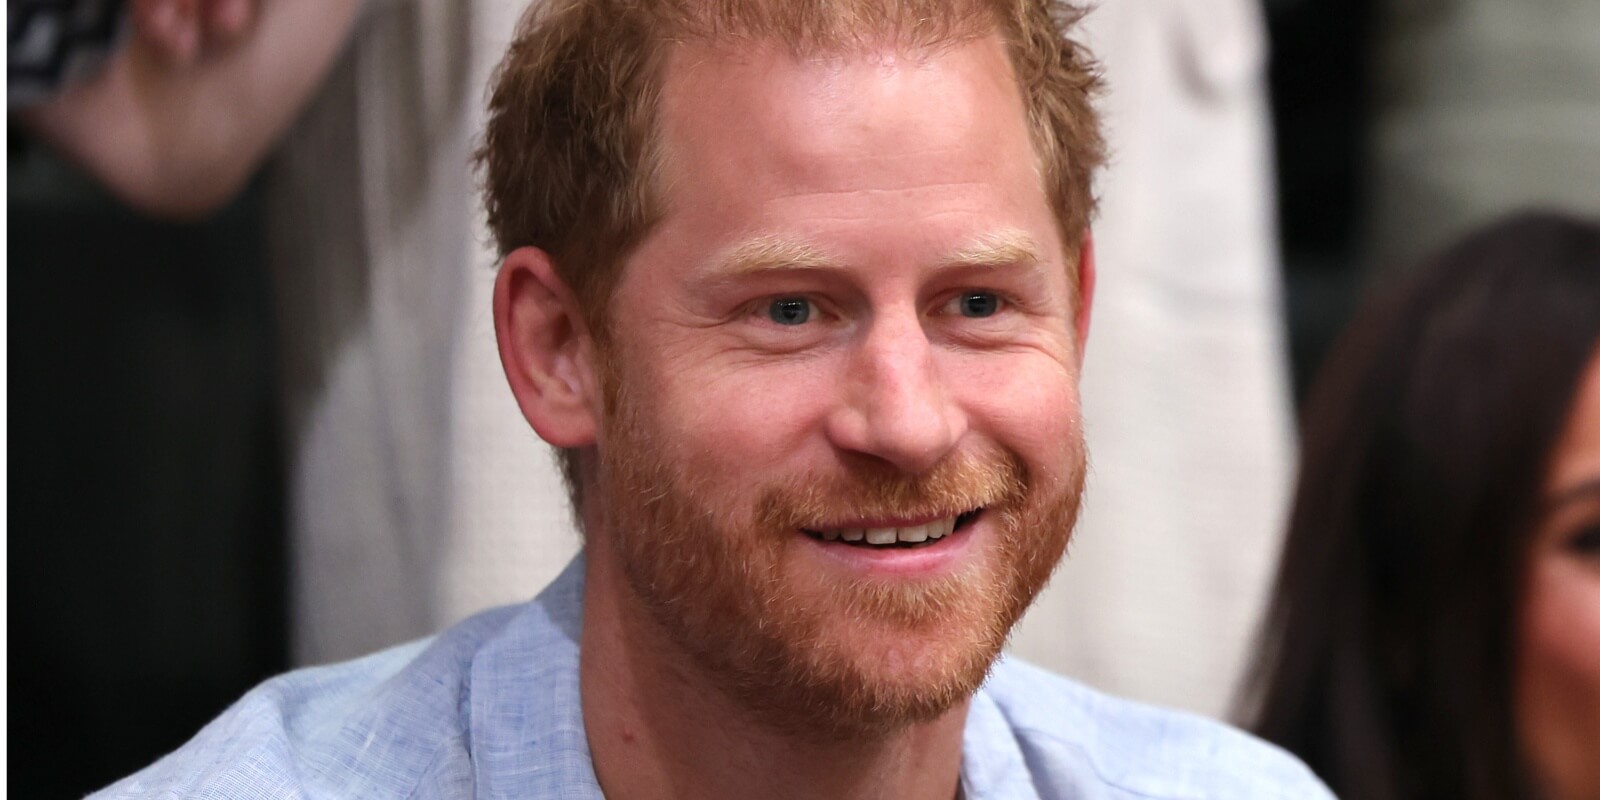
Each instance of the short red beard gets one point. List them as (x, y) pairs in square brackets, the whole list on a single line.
[(714, 579)]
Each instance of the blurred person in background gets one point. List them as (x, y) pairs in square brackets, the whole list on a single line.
[(375, 254), (362, 113), (174, 115), (1435, 631), (146, 488), (364, 123)]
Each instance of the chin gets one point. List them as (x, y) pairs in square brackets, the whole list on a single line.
[(867, 669), (880, 690)]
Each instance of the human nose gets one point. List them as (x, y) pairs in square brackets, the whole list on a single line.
[(897, 406)]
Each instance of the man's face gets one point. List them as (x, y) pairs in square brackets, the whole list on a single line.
[(856, 316)]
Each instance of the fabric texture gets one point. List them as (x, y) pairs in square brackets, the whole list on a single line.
[(490, 709), (418, 495), (369, 216)]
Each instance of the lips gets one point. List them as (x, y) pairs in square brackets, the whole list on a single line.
[(913, 535)]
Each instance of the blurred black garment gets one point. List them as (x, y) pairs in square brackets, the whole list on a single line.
[(146, 542), (50, 43), (1320, 81)]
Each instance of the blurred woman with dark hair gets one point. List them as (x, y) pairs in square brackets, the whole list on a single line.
[(1436, 626)]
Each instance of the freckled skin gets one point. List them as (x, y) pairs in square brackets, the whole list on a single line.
[(1558, 671)]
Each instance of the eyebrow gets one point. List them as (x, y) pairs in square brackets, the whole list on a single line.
[(1000, 249), (1572, 494), (767, 253)]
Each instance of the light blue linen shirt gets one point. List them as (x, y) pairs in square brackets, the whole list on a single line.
[(490, 709)]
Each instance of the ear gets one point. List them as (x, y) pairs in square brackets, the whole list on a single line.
[(546, 349), (1086, 279)]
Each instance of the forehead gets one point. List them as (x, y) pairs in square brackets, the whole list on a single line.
[(747, 124)]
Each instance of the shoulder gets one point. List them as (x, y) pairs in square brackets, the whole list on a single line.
[(1068, 733), (381, 726)]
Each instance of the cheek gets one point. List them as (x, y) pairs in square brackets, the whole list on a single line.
[(1028, 403), (1558, 681), (745, 418), (1562, 636)]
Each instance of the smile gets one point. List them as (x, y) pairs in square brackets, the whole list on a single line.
[(905, 536)]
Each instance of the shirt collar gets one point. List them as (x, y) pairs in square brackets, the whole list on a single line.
[(527, 736), (992, 763)]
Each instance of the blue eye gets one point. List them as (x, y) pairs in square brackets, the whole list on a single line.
[(789, 311), (979, 304)]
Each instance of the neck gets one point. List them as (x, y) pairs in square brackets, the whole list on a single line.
[(657, 728)]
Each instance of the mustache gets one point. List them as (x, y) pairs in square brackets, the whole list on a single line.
[(866, 489)]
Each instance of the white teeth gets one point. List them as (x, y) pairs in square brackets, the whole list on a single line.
[(881, 535), (938, 529)]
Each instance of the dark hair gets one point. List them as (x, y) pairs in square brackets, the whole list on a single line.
[(1388, 647)]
